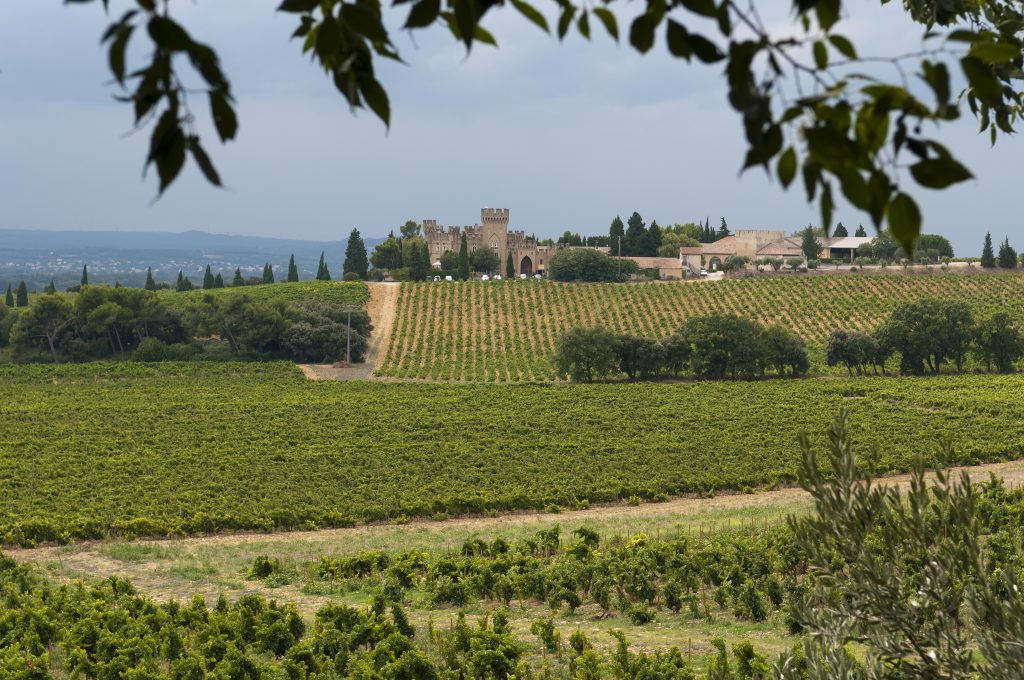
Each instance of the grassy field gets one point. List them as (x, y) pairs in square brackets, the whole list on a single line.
[(505, 331), (129, 449)]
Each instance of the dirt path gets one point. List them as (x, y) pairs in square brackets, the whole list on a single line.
[(381, 307)]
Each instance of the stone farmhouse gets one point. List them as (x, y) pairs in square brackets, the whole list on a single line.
[(493, 232), (758, 243)]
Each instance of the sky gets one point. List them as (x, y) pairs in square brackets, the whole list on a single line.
[(566, 135)]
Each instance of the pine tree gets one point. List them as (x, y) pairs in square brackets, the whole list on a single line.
[(50, 287), (615, 232), (238, 280), (85, 275), (356, 261), (636, 236), (840, 231), (860, 231), (510, 267), (653, 240), (207, 279), (293, 271), (180, 285), (10, 296), (150, 283), (809, 244), (218, 281), (22, 300), (1007, 255), (268, 273), (723, 230), (988, 258), (464, 259)]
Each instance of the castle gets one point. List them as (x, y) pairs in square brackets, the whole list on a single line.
[(527, 257)]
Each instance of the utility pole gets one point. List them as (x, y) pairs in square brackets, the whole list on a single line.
[(348, 341), (620, 256)]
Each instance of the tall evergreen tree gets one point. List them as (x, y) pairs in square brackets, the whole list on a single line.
[(22, 299), (10, 296), (1007, 255), (207, 279), (840, 231), (150, 283), (860, 231), (425, 257), (320, 268), (988, 258), (268, 273), (416, 270), (238, 280), (636, 236), (356, 260), (85, 275), (293, 271), (510, 267), (615, 232), (809, 244), (653, 240), (709, 231), (463, 259), (218, 281), (180, 285), (51, 287), (723, 230)]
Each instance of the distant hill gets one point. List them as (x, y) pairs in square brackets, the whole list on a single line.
[(39, 256)]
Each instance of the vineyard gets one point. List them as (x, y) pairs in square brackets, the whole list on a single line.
[(506, 331), (338, 292), (89, 451)]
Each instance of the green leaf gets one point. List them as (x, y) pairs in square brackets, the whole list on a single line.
[(297, 6), (641, 33), (844, 46), (531, 13), (423, 13), (939, 173), (583, 24), (608, 19), (904, 221), (565, 21), (705, 50), (167, 34), (705, 8), (224, 118), (982, 81), (376, 98), (117, 50), (786, 168), (820, 55), (994, 52), (678, 39), (203, 161), (364, 22), (167, 148)]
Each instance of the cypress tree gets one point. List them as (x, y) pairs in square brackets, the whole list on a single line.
[(425, 257), (238, 281), (180, 285), (510, 267), (416, 270), (356, 261), (653, 239), (840, 231), (635, 240), (268, 274), (207, 279), (22, 300), (150, 283), (723, 230), (988, 258), (1007, 255), (615, 232), (322, 273), (860, 231), (463, 259), (50, 287), (85, 275), (293, 271), (218, 281), (10, 296)]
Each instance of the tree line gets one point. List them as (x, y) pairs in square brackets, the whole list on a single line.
[(122, 323), (715, 347)]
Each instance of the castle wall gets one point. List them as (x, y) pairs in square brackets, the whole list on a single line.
[(492, 233)]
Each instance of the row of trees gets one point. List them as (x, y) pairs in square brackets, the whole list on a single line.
[(928, 334), (105, 322), (1006, 259), (714, 347)]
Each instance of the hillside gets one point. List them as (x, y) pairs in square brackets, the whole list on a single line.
[(505, 331), (339, 292)]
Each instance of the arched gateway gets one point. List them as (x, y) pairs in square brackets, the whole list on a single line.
[(526, 266)]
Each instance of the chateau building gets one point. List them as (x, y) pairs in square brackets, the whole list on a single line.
[(493, 232)]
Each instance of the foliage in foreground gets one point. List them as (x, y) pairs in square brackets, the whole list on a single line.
[(129, 449)]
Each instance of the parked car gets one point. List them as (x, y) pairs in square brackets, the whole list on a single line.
[(437, 278), (485, 277), (523, 276), (537, 276), (448, 278), (497, 277), (703, 272)]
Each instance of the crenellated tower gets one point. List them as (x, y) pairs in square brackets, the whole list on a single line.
[(494, 232)]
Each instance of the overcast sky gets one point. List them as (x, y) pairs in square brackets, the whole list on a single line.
[(566, 136)]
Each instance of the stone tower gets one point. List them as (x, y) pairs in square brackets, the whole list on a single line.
[(494, 233)]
